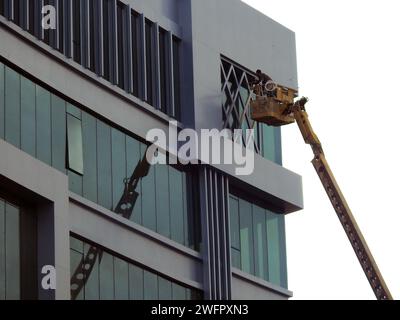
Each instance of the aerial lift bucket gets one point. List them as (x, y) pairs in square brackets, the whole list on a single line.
[(273, 110)]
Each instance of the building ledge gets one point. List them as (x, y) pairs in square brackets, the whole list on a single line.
[(134, 242), (262, 284)]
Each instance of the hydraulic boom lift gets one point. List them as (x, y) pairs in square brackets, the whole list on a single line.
[(276, 106)]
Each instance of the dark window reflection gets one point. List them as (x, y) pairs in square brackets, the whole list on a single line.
[(149, 36), (76, 25), (98, 274), (257, 241), (163, 47), (18, 280), (120, 45)]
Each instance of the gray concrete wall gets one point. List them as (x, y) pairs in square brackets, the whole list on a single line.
[(233, 29), (35, 181), (164, 12)]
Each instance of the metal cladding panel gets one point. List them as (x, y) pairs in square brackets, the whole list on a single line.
[(215, 222)]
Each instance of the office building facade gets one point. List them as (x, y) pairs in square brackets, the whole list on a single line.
[(76, 103)]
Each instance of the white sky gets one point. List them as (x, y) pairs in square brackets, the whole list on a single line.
[(348, 64)]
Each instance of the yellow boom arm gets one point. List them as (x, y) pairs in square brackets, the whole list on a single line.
[(340, 205)]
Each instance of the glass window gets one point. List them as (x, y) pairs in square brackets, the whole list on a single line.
[(148, 198), (92, 279), (177, 77), (120, 44), (282, 250), (268, 138), (75, 262), (76, 244), (75, 148), (92, 35), (107, 277), (2, 94), (178, 292), (259, 247), (162, 200), (106, 39), (43, 125), (16, 12), (99, 159), (164, 63), (121, 279), (260, 243), (111, 277), (9, 251), (235, 232), (118, 155), (191, 210), (164, 289), (32, 16), (133, 158), (84, 18), (149, 36), (150, 286), (273, 248), (176, 206), (186, 215), (2, 8), (28, 116), (104, 165), (236, 90), (89, 157), (47, 32), (246, 237), (76, 26), (58, 132), (60, 26), (74, 111), (135, 30), (12, 107), (136, 283)]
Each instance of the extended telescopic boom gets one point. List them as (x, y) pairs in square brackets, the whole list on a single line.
[(278, 108), (340, 205)]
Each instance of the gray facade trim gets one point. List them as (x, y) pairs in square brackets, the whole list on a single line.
[(135, 243), (215, 234), (43, 185), (143, 7), (116, 219), (238, 274)]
